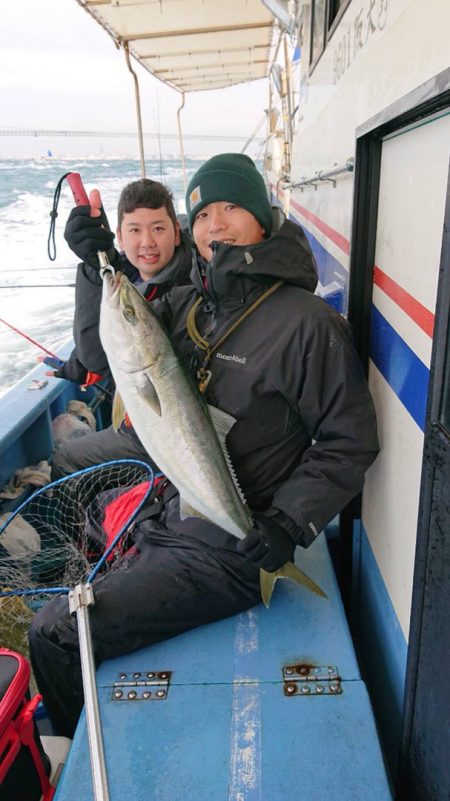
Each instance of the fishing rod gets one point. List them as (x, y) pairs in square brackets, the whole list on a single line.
[(91, 378), (81, 198), (47, 269), (36, 286), (30, 339), (40, 286)]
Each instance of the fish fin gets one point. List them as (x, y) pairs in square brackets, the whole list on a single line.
[(288, 570), (186, 510), (148, 393), (223, 423), (118, 411), (266, 585)]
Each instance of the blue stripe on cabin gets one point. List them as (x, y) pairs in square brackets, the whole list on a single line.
[(382, 644), (405, 373)]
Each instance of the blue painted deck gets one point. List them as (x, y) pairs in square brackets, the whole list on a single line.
[(226, 731), (26, 435)]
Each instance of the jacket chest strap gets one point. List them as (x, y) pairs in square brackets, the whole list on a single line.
[(203, 374)]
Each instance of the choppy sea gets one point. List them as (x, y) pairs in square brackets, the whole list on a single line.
[(36, 294)]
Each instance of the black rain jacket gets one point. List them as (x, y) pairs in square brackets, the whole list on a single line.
[(305, 430)]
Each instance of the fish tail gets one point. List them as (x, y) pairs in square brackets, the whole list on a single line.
[(291, 571)]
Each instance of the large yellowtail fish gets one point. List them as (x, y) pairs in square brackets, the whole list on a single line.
[(184, 436)]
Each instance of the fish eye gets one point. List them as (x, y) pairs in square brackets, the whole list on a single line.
[(128, 313)]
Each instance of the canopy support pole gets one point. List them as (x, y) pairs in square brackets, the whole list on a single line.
[(287, 110), (180, 136), (138, 108)]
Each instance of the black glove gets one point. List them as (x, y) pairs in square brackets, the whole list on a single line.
[(87, 235), (71, 370), (268, 544)]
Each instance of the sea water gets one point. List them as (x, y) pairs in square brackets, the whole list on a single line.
[(37, 294)]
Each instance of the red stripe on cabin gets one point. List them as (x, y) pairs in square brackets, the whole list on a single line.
[(420, 315), (415, 310), (329, 232)]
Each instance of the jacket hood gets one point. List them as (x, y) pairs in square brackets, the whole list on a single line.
[(285, 255)]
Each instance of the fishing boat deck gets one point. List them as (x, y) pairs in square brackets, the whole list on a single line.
[(268, 704), (250, 711), (26, 435)]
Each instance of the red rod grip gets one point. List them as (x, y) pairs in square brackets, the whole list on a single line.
[(78, 191)]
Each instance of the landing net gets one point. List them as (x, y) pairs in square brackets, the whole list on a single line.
[(64, 534)]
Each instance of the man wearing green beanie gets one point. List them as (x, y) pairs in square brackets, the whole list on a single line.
[(281, 362), (232, 177)]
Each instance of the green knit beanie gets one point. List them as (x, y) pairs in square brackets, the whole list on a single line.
[(231, 177)]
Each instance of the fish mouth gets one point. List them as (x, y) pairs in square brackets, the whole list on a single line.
[(113, 284), (116, 284)]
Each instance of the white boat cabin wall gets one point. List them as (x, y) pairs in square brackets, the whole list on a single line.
[(363, 165)]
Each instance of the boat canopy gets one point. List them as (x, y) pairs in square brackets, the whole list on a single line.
[(191, 45)]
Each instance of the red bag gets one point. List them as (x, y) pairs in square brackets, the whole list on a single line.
[(23, 762), (121, 508)]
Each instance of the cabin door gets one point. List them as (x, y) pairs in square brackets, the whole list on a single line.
[(425, 763), (401, 545)]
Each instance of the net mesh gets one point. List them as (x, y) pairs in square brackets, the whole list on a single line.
[(64, 534)]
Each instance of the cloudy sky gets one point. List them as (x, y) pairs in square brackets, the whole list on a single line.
[(60, 70)]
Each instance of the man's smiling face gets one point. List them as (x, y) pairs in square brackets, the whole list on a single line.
[(225, 222), (149, 238)]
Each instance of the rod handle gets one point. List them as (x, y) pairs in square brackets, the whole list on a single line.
[(78, 191)]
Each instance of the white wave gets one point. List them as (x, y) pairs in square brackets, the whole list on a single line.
[(46, 313)]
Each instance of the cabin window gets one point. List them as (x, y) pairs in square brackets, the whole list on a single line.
[(336, 10), (319, 9), (324, 19)]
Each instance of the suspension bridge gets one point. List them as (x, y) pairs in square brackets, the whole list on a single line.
[(42, 132)]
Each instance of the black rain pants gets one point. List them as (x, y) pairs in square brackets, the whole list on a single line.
[(95, 448), (170, 583)]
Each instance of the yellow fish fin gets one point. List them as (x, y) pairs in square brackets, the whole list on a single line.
[(291, 571), (148, 394), (118, 411)]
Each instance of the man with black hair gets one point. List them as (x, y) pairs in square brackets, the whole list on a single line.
[(277, 358), (155, 255)]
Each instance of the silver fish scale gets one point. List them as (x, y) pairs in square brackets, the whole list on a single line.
[(184, 445), (182, 440)]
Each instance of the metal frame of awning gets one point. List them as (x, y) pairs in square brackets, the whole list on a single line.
[(190, 45), (185, 43)]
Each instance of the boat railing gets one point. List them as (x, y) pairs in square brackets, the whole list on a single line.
[(322, 175)]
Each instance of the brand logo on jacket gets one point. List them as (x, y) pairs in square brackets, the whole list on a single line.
[(232, 358)]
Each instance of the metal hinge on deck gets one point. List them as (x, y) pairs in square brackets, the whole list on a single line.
[(306, 679), (148, 685)]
